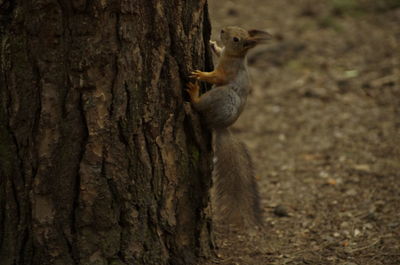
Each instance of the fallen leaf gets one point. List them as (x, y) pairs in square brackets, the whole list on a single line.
[(310, 157), (362, 167), (331, 181)]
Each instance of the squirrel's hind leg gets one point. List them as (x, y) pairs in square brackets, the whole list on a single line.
[(194, 92)]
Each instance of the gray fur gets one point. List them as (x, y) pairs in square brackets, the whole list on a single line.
[(219, 115), (236, 191)]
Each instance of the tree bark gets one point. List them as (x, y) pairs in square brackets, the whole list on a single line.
[(101, 159)]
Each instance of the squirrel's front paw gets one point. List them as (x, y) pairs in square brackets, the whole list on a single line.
[(215, 48), (197, 74), (213, 45)]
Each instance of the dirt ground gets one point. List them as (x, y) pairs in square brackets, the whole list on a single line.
[(323, 127)]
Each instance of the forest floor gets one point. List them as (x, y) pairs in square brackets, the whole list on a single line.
[(323, 127)]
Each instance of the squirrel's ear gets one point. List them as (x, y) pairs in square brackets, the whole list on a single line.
[(259, 35), (256, 37), (250, 43)]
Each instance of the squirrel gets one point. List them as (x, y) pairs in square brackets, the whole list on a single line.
[(236, 190)]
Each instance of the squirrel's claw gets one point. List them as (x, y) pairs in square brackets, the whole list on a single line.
[(196, 74), (216, 77)]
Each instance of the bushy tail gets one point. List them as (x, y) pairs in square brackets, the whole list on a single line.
[(236, 191)]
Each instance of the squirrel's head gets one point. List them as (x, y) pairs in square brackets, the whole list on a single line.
[(238, 41)]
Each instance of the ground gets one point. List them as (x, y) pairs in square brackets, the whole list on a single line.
[(323, 127)]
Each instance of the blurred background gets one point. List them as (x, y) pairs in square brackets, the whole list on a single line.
[(323, 126)]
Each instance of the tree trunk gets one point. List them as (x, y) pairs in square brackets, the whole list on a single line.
[(101, 160)]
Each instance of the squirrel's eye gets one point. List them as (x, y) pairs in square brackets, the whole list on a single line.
[(235, 39), (222, 31)]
